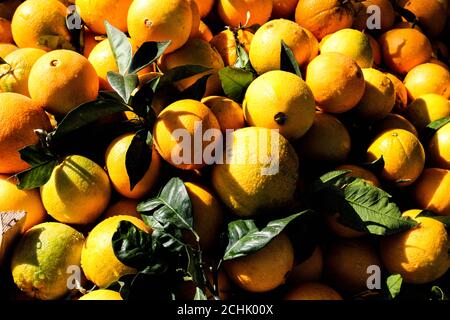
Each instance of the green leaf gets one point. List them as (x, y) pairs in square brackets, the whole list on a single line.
[(235, 82), (148, 53), (429, 214), (35, 155), (200, 295), (196, 91), (109, 95), (139, 157), (86, 114), (123, 85), (430, 130), (243, 60), (141, 101), (172, 206), (439, 294), (180, 73), (245, 238), (287, 60), (331, 179), (120, 46), (394, 285), (132, 246), (36, 176)]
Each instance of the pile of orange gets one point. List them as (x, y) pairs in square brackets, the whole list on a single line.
[(362, 93)]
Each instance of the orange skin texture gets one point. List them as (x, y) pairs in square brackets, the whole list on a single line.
[(203, 32), (404, 49), (309, 270), (439, 148), (312, 291), (337, 82), (395, 121), (225, 44), (195, 18), (403, 154), (228, 113), (6, 48), (123, 206), (323, 17), (20, 117), (234, 12), (431, 14), (265, 269), (401, 94), (61, 80), (428, 78), (431, 191), (5, 31), (376, 50), (426, 109), (284, 8)]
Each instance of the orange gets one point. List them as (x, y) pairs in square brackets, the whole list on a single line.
[(337, 228), (309, 270), (312, 291), (155, 20), (203, 32), (103, 61), (438, 62), (6, 48), (115, 163), (336, 81), (419, 255), (439, 148), (195, 19), (102, 294), (324, 17), (20, 117), (228, 113), (284, 8), (95, 13), (280, 100), (13, 199), (395, 121), (403, 154), (426, 109), (186, 115), (14, 75), (225, 43), (327, 141), (379, 97), (431, 14), (90, 40), (404, 49), (431, 191), (123, 207), (5, 31), (244, 12), (265, 269), (359, 172), (428, 78), (376, 50), (204, 6), (208, 215), (387, 14), (265, 50), (401, 94), (196, 52), (314, 45), (62, 80), (41, 24), (346, 264), (404, 24)]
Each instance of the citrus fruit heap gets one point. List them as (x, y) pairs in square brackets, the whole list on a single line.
[(286, 149)]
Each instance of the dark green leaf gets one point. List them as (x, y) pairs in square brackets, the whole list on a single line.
[(430, 130), (139, 157), (235, 82), (120, 46), (123, 85), (180, 73), (86, 114), (36, 176), (287, 60), (35, 155), (245, 238), (443, 219), (109, 95), (394, 285), (197, 90), (407, 14), (172, 206), (148, 53), (132, 246), (331, 179)]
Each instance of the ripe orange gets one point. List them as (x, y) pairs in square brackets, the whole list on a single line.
[(387, 14), (327, 141), (94, 14), (376, 50), (359, 172), (324, 17), (115, 163), (203, 32), (403, 154), (6, 48), (5, 31), (204, 6), (123, 207), (401, 94), (404, 49), (226, 44), (337, 82), (284, 8), (228, 113), (154, 20), (439, 148), (41, 24), (431, 191), (13, 199), (244, 12), (61, 80), (309, 270), (186, 115), (90, 40), (394, 121), (20, 117), (265, 49), (265, 269), (428, 78), (431, 14), (426, 109), (312, 291)]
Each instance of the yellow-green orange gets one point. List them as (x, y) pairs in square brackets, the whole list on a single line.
[(426, 109), (102, 294)]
